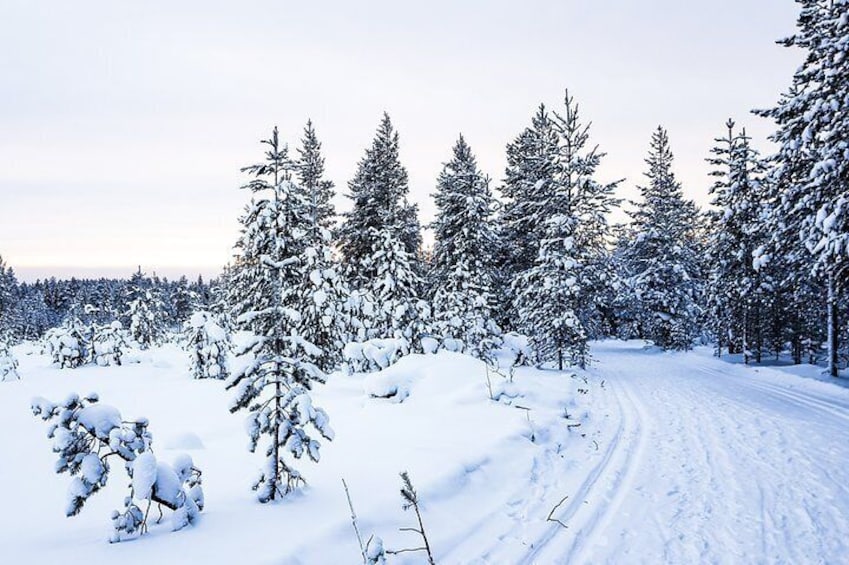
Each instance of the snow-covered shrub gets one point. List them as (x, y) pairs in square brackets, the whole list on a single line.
[(86, 434), (207, 344), (108, 344), (374, 354), (68, 345), (515, 350), (176, 486), (8, 363)]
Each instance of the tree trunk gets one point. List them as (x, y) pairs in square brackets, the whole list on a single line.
[(832, 326), (719, 343), (275, 448), (759, 336)]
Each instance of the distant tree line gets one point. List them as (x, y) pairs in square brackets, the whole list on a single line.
[(28, 310)]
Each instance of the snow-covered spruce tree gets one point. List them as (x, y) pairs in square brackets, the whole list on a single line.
[(207, 344), (797, 318), (576, 192), (550, 166), (411, 234), (547, 298), (219, 298), (379, 190), (109, 344), (358, 311), (323, 291), (323, 295), (528, 183), (626, 319), (393, 288), (532, 166), (8, 363), (36, 317), (462, 276), (180, 301), (274, 387), (145, 325), (144, 311), (568, 287), (12, 310), (662, 259), (86, 434), (386, 320), (812, 168), (737, 294), (310, 173)]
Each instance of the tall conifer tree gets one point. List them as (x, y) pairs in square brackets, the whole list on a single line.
[(662, 258), (274, 387), (463, 274)]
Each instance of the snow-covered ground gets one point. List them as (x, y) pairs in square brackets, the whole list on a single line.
[(678, 458)]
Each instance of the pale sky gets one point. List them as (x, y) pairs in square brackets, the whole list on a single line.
[(123, 125)]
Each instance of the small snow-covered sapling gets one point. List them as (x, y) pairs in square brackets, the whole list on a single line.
[(207, 344), (68, 344), (87, 434), (109, 344), (8, 363), (411, 500)]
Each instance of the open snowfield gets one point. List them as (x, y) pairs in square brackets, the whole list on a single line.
[(679, 458)]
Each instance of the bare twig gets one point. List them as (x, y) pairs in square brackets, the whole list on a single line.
[(354, 521), (397, 551), (551, 518)]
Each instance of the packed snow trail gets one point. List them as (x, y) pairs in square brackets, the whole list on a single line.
[(718, 463)]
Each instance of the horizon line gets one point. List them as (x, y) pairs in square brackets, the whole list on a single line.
[(33, 273)]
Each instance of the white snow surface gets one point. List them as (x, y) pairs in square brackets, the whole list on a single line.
[(664, 458)]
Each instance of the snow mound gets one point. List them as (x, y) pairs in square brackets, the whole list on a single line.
[(394, 386), (429, 344)]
